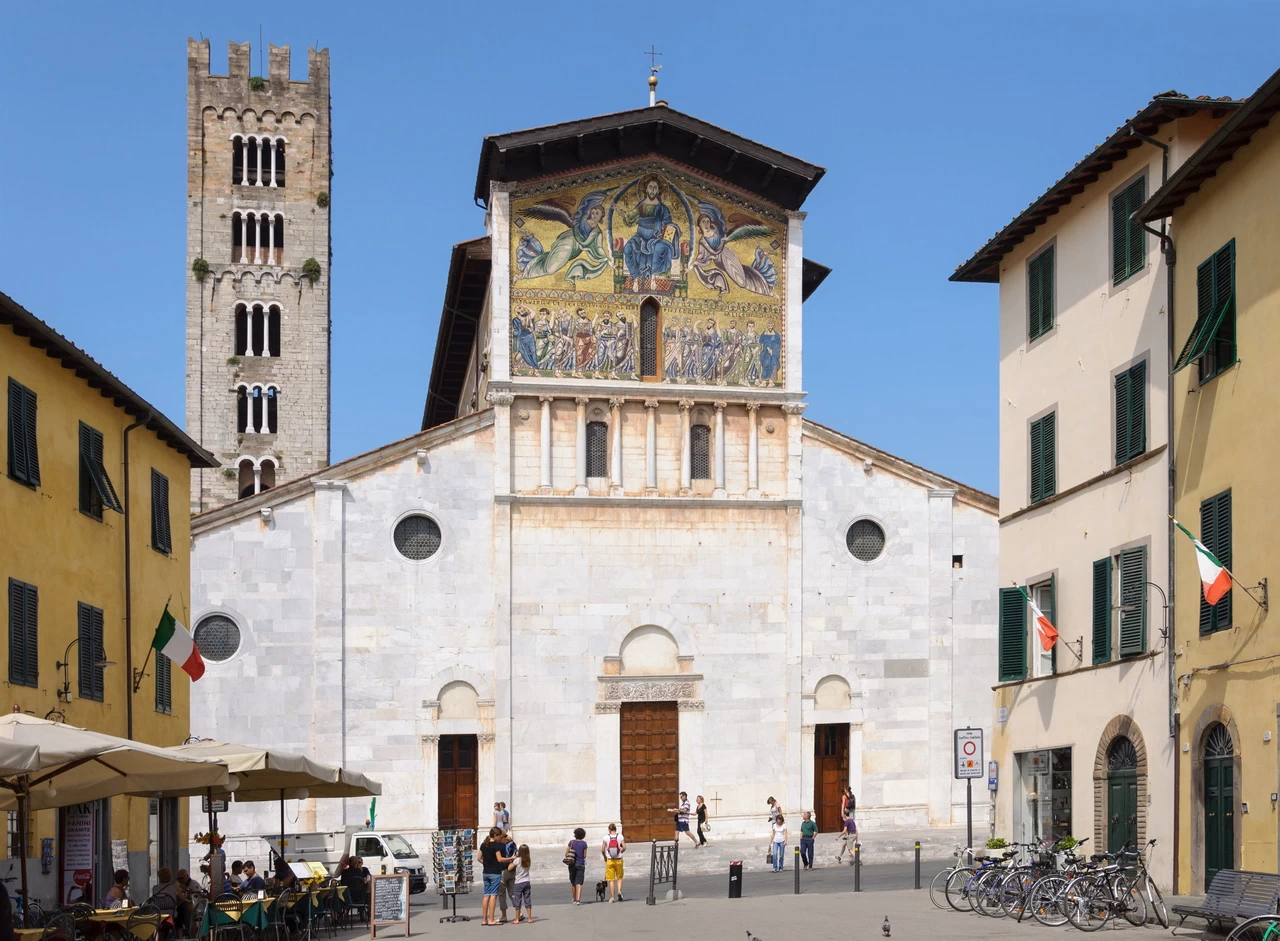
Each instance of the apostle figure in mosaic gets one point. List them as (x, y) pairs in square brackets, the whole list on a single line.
[(770, 352), (691, 349), (583, 246), (655, 245), (562, 352), (750, 353), (712, 353), (522, 337), (733, 353), (623, 353), (584, 341), (543, 340), (714, 262), (671, 350)]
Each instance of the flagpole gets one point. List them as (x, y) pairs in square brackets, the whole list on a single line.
[(1231, 575)]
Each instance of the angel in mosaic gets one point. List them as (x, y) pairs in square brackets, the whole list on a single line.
[(715, 263), (582, 246)]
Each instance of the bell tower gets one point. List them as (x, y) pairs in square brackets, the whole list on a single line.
[(258, 252)]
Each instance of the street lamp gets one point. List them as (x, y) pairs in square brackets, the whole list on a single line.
[(64, 694)]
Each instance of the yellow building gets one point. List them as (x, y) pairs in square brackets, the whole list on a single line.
[(93, 510), (1226, 433)]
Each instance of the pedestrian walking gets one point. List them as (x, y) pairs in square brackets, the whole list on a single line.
[(507, 887), (524, 884), (494, 862), (575, 857), (848, 837), (703, 827), (808, 830), (848, 803), (682, 819), (612, 848), (779, 830)]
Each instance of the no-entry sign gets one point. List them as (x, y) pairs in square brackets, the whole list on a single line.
[(968, 753)]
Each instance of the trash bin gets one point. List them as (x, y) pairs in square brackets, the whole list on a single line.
[(735, 880)]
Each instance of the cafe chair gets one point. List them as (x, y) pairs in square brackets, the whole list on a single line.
[(144, 923), (281, 918), (60, 926), (230, 926)]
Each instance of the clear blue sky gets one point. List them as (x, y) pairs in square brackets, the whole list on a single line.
[(937, 123)]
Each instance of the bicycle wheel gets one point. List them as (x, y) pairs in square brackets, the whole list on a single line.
[(1132, 903), (1156, 906), (986, 896), (1257, 928), (1014, 891), (1047, 901), (955, 891), (938, 888), (1088, 901)]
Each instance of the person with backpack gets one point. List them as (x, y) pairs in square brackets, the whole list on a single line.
[(611, 849), (507, 887)]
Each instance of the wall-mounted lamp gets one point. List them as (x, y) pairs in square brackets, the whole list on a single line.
[(1266, 736), (867, 465), (64, 694), (266, 514), (422, 458)]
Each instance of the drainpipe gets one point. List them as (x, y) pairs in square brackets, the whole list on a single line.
[(1170, 260), (128, 581)]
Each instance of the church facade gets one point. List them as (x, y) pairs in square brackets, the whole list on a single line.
[(616, 562)]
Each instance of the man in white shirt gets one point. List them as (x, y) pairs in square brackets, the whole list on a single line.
[(682, 819)]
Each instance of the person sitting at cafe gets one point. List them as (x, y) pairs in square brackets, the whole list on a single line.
[(187, 886), (171, 899), (252, 882), (118, 894), (237, 868)]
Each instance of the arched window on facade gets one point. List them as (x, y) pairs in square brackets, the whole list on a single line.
[(650, 358), (267, 475), (699, 452), (597, 449), (246, 483)]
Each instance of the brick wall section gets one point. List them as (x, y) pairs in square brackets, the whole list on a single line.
[(219, 106)]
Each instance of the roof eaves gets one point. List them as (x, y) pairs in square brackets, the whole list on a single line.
[(984, 265), (462, 253), (42, 336), (1219, 149)]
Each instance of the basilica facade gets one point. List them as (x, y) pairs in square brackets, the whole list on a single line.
[(617, 561)]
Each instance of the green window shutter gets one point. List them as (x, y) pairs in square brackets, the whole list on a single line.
[(1049, 455), (1123, 398), (164, 684), (29, 436), (1133, 591), (1040, 277), (1013, 635), (90, 632), (1128, 238), (24, 664), (1051, 612), (24, 458), (161, 536), (1131, 413), (93, 474), (1037, 468), (1215, 533), (1220, 345), (1102, 610)]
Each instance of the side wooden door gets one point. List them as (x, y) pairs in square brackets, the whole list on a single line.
[(457, 782), (830, 773), (650, 769)]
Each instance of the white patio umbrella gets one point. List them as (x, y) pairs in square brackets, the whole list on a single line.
[(71, 765)]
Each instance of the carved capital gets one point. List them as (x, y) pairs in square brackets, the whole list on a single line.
[(607, 707), (795, 408), (650, 403), (582, 400), (691, 705), (431, 740), (719, 406), (485, 738), (685, 404), (500, 399), (546, 399), (617, 401), (753, 407)]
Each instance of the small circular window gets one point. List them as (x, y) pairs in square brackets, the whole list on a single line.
[(865, 540), (417, 537), (217, 637)]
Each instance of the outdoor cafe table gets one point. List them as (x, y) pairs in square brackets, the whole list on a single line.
[(111, 918), (27, 934), (252, 912)]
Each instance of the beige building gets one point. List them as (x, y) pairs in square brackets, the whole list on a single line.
[(1083, 732), (258, 186), (1221, 206)]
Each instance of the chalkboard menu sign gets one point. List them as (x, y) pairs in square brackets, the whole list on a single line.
[(390, 902)]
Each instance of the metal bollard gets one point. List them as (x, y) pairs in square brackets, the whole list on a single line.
[(917, 864), (857, 867), (795, 865)]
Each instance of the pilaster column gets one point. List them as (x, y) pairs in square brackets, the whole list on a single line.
[(580, 485), (544, 476), (257, 238), (257, 479), (262, 163), (271, 240), (719, 407), (615, 445), (271, 149), (650, 445), (685, 469), (244, 229), (753, 449)]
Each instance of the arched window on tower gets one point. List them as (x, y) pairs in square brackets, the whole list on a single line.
[(597, 449), (279, 162), (237, 159), (266, 475), (255, 410), (650, 360), (273, 330), (242, 410), (273, 411), (245, 485), (242, 330), (699, 452), (277, 221)]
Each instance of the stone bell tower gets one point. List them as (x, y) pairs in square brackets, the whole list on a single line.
[(257, 270)]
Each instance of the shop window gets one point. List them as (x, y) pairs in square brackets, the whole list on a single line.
[(1042, 801)]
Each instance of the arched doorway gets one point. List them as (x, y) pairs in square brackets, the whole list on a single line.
[(1219, 801), (1122, 794)]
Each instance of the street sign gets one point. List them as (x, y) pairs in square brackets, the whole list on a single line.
[(968, 753), (993, 775), (219, 806), (1037, 762)]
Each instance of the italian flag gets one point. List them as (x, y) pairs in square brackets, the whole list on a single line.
[(1045, 630), (1214, 577), (174, 642)]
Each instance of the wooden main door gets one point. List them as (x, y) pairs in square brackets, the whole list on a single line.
[(457, 782), (830, 773), (1219, 802), (650, 765)]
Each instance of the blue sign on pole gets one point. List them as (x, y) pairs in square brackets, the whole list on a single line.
[(993, 775)]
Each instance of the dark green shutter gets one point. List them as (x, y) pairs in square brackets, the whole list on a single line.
[(164, 684), (1102, 610), (1013, 635), (1037, 469), (24, 457), (1040, 278), (1214, 332), (1128, 238), (24, 606), (1051, 612), (1131, 413), (1133, 592), (1215, 533), (92, 454), (161, 537), (1043, 457), (90, 632)]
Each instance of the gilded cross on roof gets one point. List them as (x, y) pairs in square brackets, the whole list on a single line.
[(653, 54)]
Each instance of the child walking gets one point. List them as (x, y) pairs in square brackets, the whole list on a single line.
[(523, 895)]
